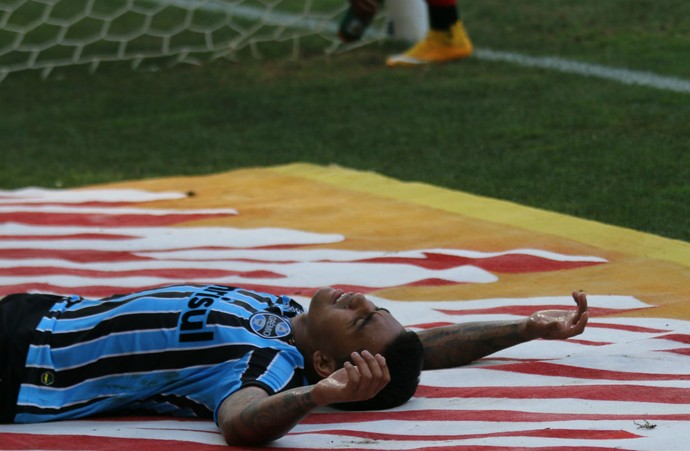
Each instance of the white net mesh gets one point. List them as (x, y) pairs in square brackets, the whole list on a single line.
[(153, 34)]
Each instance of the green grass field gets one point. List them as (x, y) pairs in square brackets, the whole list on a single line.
[(598, 149)]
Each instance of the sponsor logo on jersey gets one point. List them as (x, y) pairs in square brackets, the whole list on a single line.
[(193, 319), (48, 378)]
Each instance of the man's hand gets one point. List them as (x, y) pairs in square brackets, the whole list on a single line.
[(357, 382), (558, 324)]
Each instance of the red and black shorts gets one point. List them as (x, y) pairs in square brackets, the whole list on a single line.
[(19, 316)]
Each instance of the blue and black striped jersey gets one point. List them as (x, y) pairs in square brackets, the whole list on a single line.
[(177, 350)]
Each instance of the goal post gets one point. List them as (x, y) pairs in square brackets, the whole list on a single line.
[(43, 35)]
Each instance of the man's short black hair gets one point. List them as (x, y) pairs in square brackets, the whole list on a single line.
[(405, 358)]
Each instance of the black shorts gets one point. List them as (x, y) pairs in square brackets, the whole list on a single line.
[(19, 316)]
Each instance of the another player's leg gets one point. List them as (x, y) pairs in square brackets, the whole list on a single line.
[(357, 19), (446, 40)]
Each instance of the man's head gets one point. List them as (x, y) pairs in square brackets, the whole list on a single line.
[(404, 357), (339, 323)]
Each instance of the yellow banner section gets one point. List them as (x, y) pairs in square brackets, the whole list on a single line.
[(374, 212)]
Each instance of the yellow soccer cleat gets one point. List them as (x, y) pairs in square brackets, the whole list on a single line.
[(436, 47)]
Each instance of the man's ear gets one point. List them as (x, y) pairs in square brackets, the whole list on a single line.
[(324, 364)]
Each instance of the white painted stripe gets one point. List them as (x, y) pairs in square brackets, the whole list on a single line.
[(625, 76), (460, 427), (402, 271), (294, 275), (319, 441), (670, 434), (565, 406), (471, 376), (64, 209), (38, 195), (161, 238), (332, 254), (205, 432), (145, 240), (605, 301)]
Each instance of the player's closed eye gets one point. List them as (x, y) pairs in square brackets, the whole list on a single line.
[(361, 322)]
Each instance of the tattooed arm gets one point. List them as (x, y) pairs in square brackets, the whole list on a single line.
[(251, 417), (460, 344)]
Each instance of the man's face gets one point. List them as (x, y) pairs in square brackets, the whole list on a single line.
[(341, 323)]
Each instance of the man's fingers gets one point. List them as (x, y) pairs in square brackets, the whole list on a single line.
[(352, 373), (385, 372), (582, 322), (379, 371), (361, 360), (371, 368), (581, 300), (373, 373)]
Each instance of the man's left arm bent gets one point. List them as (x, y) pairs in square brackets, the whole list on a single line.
[(460, 344)]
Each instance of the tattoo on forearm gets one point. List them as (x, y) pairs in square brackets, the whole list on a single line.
[(461, 344), (272, 417)]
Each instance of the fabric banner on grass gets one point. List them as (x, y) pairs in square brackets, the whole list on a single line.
[(431, 256)]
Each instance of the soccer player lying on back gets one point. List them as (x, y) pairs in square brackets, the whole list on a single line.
[(254, 362)]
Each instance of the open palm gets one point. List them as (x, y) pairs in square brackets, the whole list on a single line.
[(559, 324)]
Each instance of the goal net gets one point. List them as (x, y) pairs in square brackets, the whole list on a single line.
[(43, 35)]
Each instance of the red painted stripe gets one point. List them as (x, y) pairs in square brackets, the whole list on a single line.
[(589, 342), (74, 255), (681, 338), (554, 369), (681, 351), (510, 263), (91, 255), (85, 442), (573, 434), (12, 441), (101, 220), (608, 392), (526, 310), (172, 273)]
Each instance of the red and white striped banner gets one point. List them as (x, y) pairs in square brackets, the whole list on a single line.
[(623, 384)]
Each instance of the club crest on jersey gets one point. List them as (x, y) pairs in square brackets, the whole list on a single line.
[(270, 325)]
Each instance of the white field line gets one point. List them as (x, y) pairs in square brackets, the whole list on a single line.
[(619, 75), (625, 76)]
